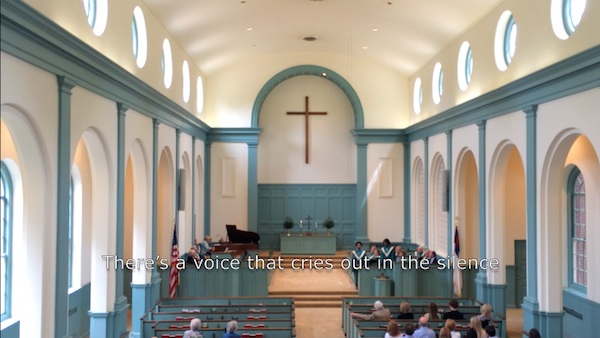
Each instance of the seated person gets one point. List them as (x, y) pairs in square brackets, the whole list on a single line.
[(451, 325), (491, 331), (445, 333), (380, 313), (534, 333), (399, 252), (191, 256), (432, 258), (194, 331), (486, 315), (232, 326), (405, 311), (432, 312), (475, 324), (453, 313), (204, 248), (420, 253), (424, 331), (409, 329), (393, 331)]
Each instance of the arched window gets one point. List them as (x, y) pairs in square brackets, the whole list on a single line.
[(6, 207), (577, 231)]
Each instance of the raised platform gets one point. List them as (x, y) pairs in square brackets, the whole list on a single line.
[(311, 288), (315, 244)]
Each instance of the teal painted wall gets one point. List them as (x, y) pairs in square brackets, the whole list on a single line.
[(79, 305), (581, 316), (11, 331), (277, 201)]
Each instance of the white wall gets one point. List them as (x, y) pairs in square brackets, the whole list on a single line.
[(382, 91), (233, 207), (281, 149), (537, 47), (385, 217), (33, 125)]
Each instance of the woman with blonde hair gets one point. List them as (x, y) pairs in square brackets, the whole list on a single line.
[(486, 315), (445, 333), (475, 324), (451, 325), (393, 331), (405, 311)]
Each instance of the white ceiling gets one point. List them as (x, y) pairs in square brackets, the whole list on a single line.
[(216, 33)]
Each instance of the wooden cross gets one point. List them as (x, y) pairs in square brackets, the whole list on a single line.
[(306, 114)]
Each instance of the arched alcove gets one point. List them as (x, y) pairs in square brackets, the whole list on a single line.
[(438, 219), (34, 222), (418, 201), (166, 202), (506, 215), (569, 148), (466, 203), (199, 200)]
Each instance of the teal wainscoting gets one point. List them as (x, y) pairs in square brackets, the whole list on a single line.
[(468, 283), (278, 201), (580, 318), (127, 278), (11, 330), (224, 283), (511, 290), (79, 305), (308, 245)]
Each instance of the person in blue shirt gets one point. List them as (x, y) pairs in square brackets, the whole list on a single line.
[(424, 331), (231, 328), (358, 256)]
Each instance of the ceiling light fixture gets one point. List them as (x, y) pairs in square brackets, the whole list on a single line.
[(309, 38), (375, 29), (249, 28), (364, 47)]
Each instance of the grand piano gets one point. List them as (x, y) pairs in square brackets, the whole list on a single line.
[(241, 236)]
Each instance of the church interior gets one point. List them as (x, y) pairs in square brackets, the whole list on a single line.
[(129, 128)]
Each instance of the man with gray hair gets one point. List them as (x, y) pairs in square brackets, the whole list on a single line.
[(231, 328), (380, 313), (194, 331)]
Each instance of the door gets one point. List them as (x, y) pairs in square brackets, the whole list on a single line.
[(520, 270)]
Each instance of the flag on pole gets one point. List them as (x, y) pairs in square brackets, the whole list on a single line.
[(457, 273), (174, 277)]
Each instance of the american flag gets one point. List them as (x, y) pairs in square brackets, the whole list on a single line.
[(174, 277)]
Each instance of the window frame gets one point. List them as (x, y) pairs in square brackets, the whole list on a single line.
[(511, 25), (7, 232), (572, 180), (567, 17)]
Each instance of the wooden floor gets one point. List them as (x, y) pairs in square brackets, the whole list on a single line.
[(318, 297)]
